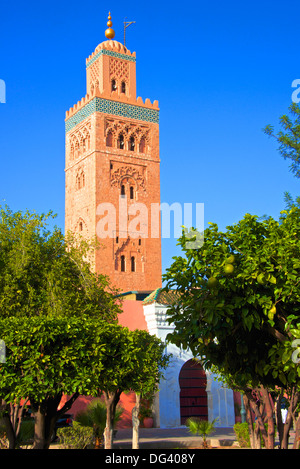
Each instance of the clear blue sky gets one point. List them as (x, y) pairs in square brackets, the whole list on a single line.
[(220, 70)]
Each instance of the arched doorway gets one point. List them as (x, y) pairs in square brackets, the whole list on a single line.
[(193, 396)]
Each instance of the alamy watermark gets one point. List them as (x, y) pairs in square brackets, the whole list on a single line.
[(296, 353), (296, 93), (2, 91), (2, 351), (137, 220)]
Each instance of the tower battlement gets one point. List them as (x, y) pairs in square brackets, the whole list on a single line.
[(114, 96)]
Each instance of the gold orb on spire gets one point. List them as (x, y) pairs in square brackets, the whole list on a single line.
[(109, 33)]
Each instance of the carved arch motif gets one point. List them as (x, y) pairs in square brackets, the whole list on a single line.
[(127, 173), (80, 141)]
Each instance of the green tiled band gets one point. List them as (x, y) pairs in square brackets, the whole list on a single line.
[(111, 53), (107, 106)]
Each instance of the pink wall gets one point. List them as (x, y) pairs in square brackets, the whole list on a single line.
[(133, 315)]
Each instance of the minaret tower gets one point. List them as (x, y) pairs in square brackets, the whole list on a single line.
[(113, 169)]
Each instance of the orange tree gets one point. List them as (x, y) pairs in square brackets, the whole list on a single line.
[(46, 358), (239, 304), (44, 277), (132, 361)]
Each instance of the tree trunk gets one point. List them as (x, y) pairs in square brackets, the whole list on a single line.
[(111, 401), (296, 444), (39, 429), (46, 415), (267, 400), (257, 437), (249, 420), (136, 422), (280, 425), (293, 403), (12, 419), (9, 429), (258, 408)]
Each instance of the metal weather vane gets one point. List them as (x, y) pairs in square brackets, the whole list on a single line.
[(126, 25)]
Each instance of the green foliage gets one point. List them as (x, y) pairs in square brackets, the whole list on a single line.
[(242, 434), (46, 357), (134, 360), (245, 323), (26, 433), (289, 138), (44, 273), (75, 437), (201, 427)]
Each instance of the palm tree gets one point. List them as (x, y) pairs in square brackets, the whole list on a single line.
[(201, 427), (95, 416)]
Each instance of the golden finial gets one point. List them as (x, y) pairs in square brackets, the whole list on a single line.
[(109, 33)]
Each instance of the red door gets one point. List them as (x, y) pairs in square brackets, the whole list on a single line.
[(193, 396)]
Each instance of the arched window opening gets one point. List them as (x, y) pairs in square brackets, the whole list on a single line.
[(117, 240), (76, 149), (121, 142), (131, 144), (80, 226), (122, 263), (140, 242), (113, 85), (142, 145), (122, 190), (109, 139), (80, 180), (133, 264), (131, 192), (88, 142), (123, 87)]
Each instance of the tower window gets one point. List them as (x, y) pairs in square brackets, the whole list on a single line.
[(142, 145), (80, 226), (140, 242), (121, 142), (122, 263), (109, 140), (123, 87), (80, 180), (131, 192), (133, 264), (131, 144), (117, 240), (123, 190), (113, 85)]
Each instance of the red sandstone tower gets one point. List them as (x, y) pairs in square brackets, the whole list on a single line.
[(113, 170)]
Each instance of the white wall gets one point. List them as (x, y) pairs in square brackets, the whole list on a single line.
[(220, 399)]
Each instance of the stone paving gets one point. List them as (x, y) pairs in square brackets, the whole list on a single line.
[(151, 438)]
